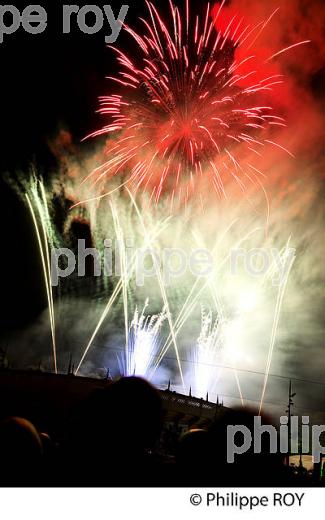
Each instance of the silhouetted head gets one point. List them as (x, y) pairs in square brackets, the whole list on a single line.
[(256, 465), (116, 425), (194, 448), (20, 450), (47, 444), (136, 413)]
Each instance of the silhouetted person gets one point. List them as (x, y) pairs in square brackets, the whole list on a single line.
[(112, 435), (20, 453), (193, 458), (250, 468)]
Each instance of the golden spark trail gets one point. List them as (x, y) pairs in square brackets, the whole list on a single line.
[(47, 275), (45, 227), (123, 267), (281, 293)]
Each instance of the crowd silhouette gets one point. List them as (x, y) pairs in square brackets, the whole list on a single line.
[(115, 437)]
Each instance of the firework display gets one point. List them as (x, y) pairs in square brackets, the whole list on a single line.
[(188, 112), (189, 123)]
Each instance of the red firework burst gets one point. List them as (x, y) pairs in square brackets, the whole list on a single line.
[(187, 106)]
